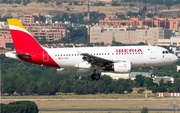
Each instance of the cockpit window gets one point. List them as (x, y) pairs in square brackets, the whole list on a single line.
[(165, 52)]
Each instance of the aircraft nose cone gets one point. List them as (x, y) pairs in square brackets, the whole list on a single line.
[(175, 58)]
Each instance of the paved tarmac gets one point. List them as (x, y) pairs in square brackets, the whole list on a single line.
[(86, 110), (149, 99)]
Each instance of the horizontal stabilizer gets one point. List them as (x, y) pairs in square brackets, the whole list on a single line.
[(20, 54)]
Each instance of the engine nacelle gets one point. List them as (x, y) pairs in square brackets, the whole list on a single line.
[(83, 65), (122, 67)]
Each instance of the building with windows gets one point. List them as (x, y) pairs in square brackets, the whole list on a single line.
[(30, 19), (51, 33), (131, 75), (4, 40), (169, 23), (127, 34)]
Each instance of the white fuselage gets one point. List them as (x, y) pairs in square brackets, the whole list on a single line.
[(139, 56)]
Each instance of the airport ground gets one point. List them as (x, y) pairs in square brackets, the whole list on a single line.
[(132, 100), (97, 101)]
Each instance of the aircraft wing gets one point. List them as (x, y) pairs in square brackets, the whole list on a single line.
[(95, 60)]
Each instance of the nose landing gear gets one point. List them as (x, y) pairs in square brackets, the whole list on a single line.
[(152, 73)]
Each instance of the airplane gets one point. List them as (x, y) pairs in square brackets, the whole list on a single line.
[(117, 59)]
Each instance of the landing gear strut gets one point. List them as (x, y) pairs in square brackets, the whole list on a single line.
[(96, 75), (152, 73)]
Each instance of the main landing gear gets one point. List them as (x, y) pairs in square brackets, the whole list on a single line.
[(96, 75), (152, 73)]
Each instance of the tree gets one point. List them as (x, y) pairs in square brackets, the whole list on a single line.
[(42, 88), (140, 80), (144, 8), (122, 17), (144, 110), (161, 82), (171, 90), (64, 87), (177, 85), (31, 88), (162, 89), (21, 86), (100, 86), (154, 90), (168, 83), (52, 90), (115, 4), (120, 90), (20, 107), (58, 3), (43, 40), (75, 3), (70, 3), (107, 80), (149, 82), (129, 90), (9, 89)]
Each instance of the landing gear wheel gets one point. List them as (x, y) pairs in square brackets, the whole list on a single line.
[(95, 76), (152, 75), (92, 76)]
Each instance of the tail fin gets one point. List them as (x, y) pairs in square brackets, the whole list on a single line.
[(22, 39)]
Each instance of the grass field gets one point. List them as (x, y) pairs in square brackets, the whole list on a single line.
[(106, 112), (132, 100), (103, 104), (133, 95)]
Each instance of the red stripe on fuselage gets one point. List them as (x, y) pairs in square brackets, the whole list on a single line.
[(26, 44)]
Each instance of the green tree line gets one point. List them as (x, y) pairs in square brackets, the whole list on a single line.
[(19, 107)]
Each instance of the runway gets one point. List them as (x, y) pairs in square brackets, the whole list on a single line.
[(96, 110)]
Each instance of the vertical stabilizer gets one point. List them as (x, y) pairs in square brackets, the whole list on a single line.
[(22, 39)]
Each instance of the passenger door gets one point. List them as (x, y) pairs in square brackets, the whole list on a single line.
[(152, 53)]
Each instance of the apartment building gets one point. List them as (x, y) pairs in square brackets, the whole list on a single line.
[(174, 40), (5, 32), (51, 33), (30, 19), (127, 34), (4, 40), (169, 23)]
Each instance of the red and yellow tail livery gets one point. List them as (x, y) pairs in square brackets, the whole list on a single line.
[(26, 47)]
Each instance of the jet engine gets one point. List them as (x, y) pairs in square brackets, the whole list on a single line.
[(121, 67)]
